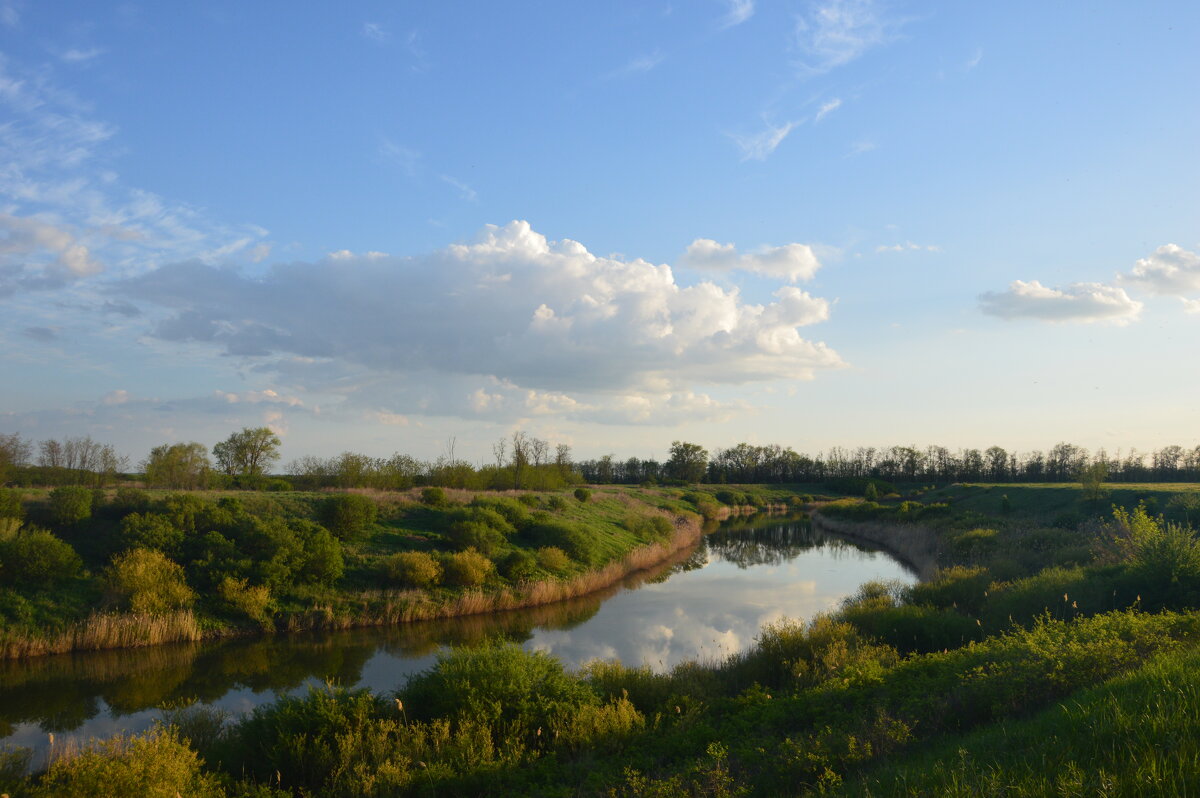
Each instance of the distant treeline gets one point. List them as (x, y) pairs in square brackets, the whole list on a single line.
[(523, 462)]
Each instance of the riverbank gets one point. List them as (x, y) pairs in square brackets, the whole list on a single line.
[(915, 546), (376, 608)]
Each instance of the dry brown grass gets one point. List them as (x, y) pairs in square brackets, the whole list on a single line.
[(913, 545), (105, 630)]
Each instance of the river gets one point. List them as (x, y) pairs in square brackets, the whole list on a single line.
[(705, 603)]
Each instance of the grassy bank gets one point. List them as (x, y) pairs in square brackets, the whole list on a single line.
[(144, 568)]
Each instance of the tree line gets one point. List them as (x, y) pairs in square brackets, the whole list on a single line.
[(248, 459)]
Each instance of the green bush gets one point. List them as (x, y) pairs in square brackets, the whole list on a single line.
[(649, 527), (144, 580), (69, 505), (519, 566), (36, 558), (129, 500), (434, 497), (466, 568), (583, 494), (253, 601), (960, 588), (529, 499), (553, 559), (415, 569), (348, 515), (512, 511), (150, 531), (157, 763), (500, 685), (11, 505), (475, 535), (570, 538), (557, 503), (1166, 565)]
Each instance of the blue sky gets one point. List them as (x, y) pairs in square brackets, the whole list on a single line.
[(377, 226)]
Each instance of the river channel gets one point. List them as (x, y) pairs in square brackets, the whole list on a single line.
[(704, 604)]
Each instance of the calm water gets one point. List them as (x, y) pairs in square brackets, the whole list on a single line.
[(704, 604)]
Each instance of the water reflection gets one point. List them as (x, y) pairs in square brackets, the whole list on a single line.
[(704, 603)]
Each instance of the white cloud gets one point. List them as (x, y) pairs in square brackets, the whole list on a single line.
[(75, 55), (464, 191), (637, 65), (1170, 271), (789, 262), (55, 177), (975, 59), (1190, 305), (404, 157), (117, 397), (827, 108), (758, 146), (907, 246), (375, 32), (832, 33), (550, 327), (1079, 302), (739, 11)]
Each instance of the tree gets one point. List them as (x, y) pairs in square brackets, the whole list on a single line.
[(689, 461), (248, 453), (14, 452), (178, 466), (1091, 479)]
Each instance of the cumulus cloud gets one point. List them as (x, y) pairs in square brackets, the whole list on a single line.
[(550, 324), (758, 146), (789, 262), (1191, 305), (1079, 302), (1170, 271)]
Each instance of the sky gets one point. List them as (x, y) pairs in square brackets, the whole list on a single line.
[(418, 227)]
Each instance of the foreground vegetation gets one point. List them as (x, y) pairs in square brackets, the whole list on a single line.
[(1054, 625)]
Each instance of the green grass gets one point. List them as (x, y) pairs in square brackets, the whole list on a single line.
[(1135, 735)]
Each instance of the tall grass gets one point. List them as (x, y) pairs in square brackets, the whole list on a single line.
[(104, 630)]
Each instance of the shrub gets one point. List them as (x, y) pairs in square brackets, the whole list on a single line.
[(129, 500), (553, 559), (69, 505), (154, 764), (964, 589), (348, 515), (498, 684), (10, 504), (466, 568), (529, 499), (414, 569), (518, 566), (434, 497), (38, 559), (649, 527), (557, 503), (144, 580), (512, 511), (568, 537), (475, 535), (583, 494), (1167, 563), (249, 600), (150, 531), (973, 543), (277, 485)]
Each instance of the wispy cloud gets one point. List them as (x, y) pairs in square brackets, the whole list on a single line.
[(637, 65), (831, 33), (405, 157), (827, 108), (975, 58), (861, 146), (907, 246), (739, 11), (75, 55), (375, 32), (465, 191), (759, 146)]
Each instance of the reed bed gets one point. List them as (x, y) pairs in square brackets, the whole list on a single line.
[(915, 546), (105, 630)]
